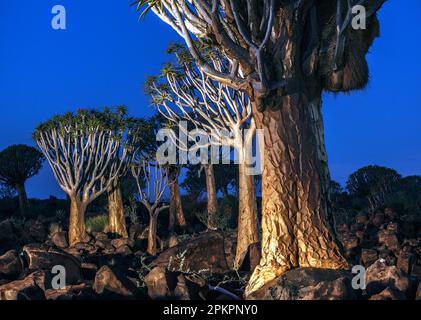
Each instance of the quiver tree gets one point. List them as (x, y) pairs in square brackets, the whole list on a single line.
[(131, 133), (176, 214), (18, 163), (284, 53), (87, 155), (185, 93), (155, 184)]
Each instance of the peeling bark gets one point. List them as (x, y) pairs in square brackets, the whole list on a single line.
[(153, 226), (176, 213), (77, 228), (247, 236), (295, 229), (116, 217), (212, 198)]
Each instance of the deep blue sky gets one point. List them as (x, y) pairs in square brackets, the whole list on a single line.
[(105, 55)]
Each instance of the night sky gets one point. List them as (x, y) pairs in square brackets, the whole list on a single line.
[(106, 53)]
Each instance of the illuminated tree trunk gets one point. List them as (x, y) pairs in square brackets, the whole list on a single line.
[(247, 236), (153, 227), (116, 217), (295, 230), (212, 198), (77, 228), (176, 214), (23, 199)]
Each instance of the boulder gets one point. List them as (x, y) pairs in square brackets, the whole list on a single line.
[(350, 242), (36, 230), (379, 276), (42, 257), (119, 242), (123, 250), (25, 289), (75, 292), (112, 282), (204, 252), (157, 282), (308, 284), (10, 265), (361, 218), (368, 257), (85, 247), (389, 294), (101, 236), (163, 284), (54, 228), (378, 218), (418, 294), (59, 239), (406, 261), (8, 238)]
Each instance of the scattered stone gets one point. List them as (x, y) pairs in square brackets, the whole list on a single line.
[(418, 294), (59, 239), (389, 294), (112, 282), (405, 262), (76, 292), (124, 250), (157, 282), (122, 242), (368, 257), (379, 276), (42, 257), (10, 265), (204, 252), (25, 289), (308, 283)]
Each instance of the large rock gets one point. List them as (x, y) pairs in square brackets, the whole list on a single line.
[(368, 257), (379, 276), (164, 285), (59, 239), (8, 238), (308, 284), (43, 257), (25, 289), (113, 283), (418, 294), (75, 292), (389, 294), (406, 261), (35, 231), (10, 265), (206, 252), (119, 242)]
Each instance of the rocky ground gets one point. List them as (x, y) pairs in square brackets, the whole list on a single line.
[(388, 246)]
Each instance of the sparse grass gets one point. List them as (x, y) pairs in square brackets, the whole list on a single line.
[(97, 224)]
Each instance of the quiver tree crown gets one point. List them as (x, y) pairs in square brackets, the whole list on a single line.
[(88, 149), (276, 47)]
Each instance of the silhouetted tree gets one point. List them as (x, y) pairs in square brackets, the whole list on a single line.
[(18, 163), (372, 184)]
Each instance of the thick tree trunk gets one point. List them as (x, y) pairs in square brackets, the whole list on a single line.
[(212, 198), (116, 217), (153, 226), (295, 230), (176, 214), (247, 236), (77, 227), (23, 199)]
